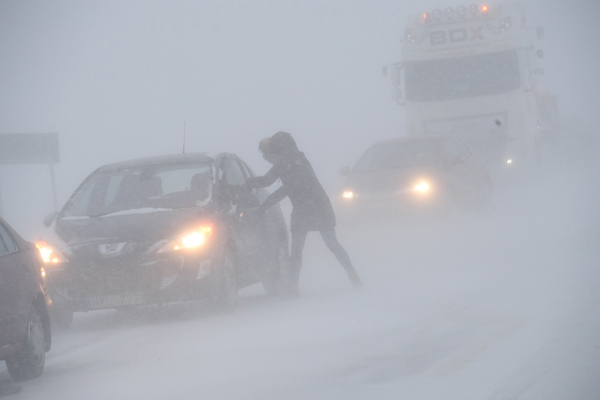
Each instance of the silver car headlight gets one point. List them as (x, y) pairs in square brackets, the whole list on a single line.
[(193, 239)]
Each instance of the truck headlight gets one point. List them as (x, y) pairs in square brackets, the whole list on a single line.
[(50, 254), (190, 240)]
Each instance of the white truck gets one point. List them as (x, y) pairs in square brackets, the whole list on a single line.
[(472, 72)]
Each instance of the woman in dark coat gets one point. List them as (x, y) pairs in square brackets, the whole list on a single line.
[(312, 210)]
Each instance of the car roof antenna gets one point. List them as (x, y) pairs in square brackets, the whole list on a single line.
[(183, 137)]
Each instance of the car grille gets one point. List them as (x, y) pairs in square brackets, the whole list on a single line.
[(107, 277)]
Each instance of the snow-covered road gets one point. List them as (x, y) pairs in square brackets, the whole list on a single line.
[(501, 306)]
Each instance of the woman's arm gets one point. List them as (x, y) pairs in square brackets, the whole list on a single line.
[(274, 198), (266, 180)]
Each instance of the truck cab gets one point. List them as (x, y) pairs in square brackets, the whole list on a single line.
[(472, 72)]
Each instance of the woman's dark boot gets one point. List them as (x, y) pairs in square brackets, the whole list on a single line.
[(355, 279)]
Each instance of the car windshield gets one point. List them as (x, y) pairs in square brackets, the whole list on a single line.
[(141, 189), (461, 78), (399, 154)]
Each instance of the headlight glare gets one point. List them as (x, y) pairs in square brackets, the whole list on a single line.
[(190, 240), (422, 187), (50, 254), (348, 194)]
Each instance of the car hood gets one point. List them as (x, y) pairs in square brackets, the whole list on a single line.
[(136, 226), (390, 180)]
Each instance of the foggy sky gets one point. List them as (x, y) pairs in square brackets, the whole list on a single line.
[(118, 79)]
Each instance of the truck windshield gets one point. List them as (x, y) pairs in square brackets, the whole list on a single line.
[(463, 77), (143, 188), (399, 154)]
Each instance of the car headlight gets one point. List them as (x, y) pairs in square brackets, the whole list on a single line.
[(422, 187), (50, 254), (190, 240), (349, 194)]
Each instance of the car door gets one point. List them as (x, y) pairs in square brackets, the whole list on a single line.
[(270, 231), (17, 283), (249, 234)]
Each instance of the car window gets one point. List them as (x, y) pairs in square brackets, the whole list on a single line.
[(451, 150), (247, 170), (3, 249), (184, 179), (398, 154), (81, 200), (7, 244), (165, 186), (112, 189), (234, 174)]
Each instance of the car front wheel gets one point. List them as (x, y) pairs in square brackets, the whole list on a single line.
[(29, 362), (224, 286)]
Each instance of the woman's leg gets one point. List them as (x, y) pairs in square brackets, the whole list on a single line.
[(298, 240), (336, 248)]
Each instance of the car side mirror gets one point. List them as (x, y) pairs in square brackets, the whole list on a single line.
[(49, 218), (345, 171), (247, 200)]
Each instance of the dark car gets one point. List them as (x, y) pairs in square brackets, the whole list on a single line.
[(412, 173), (24, 306), (162, 229)]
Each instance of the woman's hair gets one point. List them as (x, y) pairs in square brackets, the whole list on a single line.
[(283, 144), (280, 147)]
